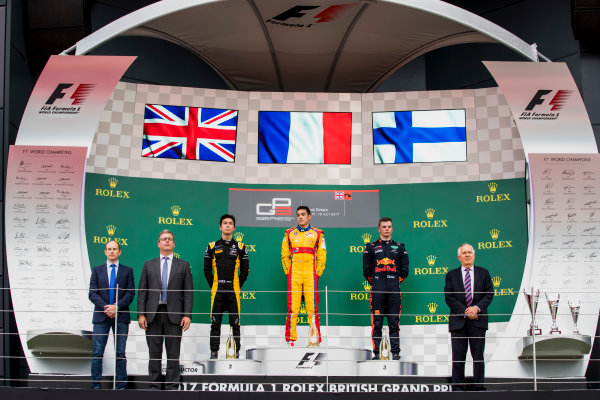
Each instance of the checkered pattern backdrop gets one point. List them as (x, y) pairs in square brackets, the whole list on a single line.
[(494, 152), (494, 149)]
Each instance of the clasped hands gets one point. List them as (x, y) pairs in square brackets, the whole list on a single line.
[(471, 312), (110, 310)]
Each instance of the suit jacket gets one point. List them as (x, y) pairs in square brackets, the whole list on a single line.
[(99, 293), (179, 294), (454, 290)]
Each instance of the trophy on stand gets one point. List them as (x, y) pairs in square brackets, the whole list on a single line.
[(575, 314), (532, 301), (313, 338), (384, 345), (230, 347), (553, 305)]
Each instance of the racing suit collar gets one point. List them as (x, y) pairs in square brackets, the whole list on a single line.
[(303, 229)]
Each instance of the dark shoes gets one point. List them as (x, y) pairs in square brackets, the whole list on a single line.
[(395, 357), (215, 354)]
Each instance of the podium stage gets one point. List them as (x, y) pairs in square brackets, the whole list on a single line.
[(308, 361)]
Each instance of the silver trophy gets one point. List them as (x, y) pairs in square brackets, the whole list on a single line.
[(532, 301), (553, 305), (575, 314)]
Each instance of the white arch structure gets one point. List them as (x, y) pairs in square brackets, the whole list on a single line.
[(278, 45)]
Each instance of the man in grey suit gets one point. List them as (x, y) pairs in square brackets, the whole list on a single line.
[(165, 308)]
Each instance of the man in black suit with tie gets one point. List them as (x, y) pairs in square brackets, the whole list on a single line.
[(469, 292), (165, 308), (111, 304)]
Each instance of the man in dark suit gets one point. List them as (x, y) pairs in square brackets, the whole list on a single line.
[(111, 304), (469, 292), (165, 308)]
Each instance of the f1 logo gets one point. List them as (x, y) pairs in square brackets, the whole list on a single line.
[(309, 360), (78, 96), (557, 102), (294, 12), (277, 206), (327, 15)]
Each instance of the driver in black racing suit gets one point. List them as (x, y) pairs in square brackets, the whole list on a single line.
[(226, 268), (385, 266)]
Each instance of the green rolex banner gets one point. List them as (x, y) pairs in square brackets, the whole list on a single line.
[(431, 219)]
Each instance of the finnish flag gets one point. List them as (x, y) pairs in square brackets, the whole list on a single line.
[(419, 136)]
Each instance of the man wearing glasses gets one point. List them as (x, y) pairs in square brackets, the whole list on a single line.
[(165, 309)]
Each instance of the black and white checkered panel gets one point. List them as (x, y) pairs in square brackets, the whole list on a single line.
[(500, 149), (494, 149)]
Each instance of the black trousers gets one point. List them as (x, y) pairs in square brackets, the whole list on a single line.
[(469, 336), (162, 330), (385, 304), (225, 300)]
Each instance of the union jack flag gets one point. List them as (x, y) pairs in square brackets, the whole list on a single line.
[(189, 132), (338, 196)]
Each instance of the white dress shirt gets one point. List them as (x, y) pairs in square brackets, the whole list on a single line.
[(109, 269)]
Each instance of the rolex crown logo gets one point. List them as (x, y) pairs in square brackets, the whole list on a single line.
[(238, 236), (493, 187), (175, 210), (366, 285), (430, 212), (432, 307), (496, 281), (366, 237), (112, 182), (431, 260), (176, 255), (302, 308), (494, 233), (111, 229)]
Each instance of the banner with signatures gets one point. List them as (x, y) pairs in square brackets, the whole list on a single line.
[(43, 241), (566, 254)]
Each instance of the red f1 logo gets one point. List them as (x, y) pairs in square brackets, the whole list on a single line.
[(78, 96), (557, 102), (327, 15)]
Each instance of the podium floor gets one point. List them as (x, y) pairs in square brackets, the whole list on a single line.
[(308, 361)]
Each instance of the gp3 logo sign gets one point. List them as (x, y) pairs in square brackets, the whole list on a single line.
[(277, 206)]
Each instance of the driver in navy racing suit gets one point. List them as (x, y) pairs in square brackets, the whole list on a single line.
[(385, 266)]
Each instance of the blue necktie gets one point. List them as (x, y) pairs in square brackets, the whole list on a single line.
[(113, 276), (164, 281)]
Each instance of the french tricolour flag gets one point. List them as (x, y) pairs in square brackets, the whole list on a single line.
[(304, 137), (419, 136)]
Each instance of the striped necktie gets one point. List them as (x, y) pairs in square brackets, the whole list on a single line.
[(468, 294), (164, 282)]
